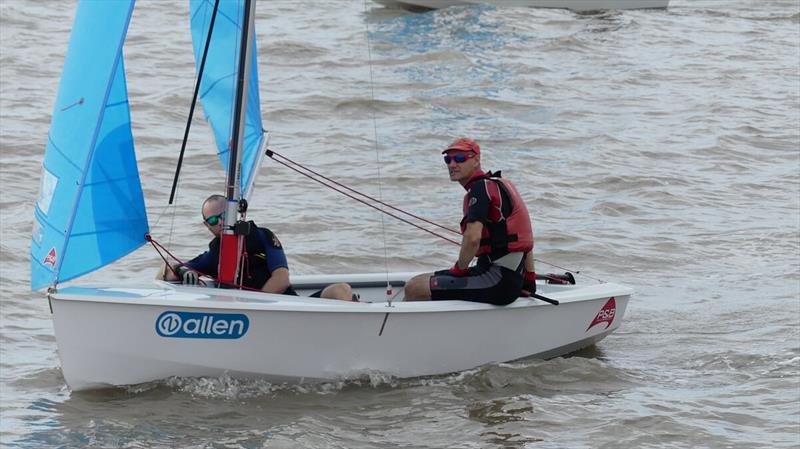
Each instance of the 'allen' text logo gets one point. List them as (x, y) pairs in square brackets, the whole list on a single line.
[(605, 315), (201, 325)]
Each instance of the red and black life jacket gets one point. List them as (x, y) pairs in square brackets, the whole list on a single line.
[(509, 224)]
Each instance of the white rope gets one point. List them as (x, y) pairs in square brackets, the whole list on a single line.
[(163, 212)]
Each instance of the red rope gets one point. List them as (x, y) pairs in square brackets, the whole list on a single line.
[(156, 246), (370, 205), (272, 153), (357, 192), (343, 189), (159, 247)]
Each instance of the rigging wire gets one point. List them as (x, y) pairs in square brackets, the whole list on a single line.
[(174, 191), (377, 154), (380, 190), (172, 223), (344, 189), (271, 153), (362, 201)]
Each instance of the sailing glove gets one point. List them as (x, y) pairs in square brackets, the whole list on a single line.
[(188, 276), (458, 272), (529, 282)]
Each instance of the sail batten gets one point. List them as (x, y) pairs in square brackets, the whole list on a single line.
[(55, 148), (90, 210)]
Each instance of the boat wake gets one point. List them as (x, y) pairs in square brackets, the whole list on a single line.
[(541, 377), (229, 387)]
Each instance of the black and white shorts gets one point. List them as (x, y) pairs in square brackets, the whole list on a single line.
[(492, 284)]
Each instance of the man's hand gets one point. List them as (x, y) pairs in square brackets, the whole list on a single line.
[(458, 272), (529, 282), (188, 276)]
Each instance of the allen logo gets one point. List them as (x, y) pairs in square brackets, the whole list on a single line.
[(201, 325), (605, 315), (50, 258)]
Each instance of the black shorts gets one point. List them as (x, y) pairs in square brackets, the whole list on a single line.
[(290, 291), (491, 284)]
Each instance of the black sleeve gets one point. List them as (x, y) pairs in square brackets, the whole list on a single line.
[(478, 203)]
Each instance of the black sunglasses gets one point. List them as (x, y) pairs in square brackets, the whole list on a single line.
[(458, 157), (214, 219)]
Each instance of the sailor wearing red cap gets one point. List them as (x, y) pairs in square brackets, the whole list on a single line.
[(496, 229)]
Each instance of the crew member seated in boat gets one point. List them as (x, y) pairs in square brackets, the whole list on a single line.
[(264, 265), (496, 229)]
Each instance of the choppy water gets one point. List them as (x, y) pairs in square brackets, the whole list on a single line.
[(659, 149)]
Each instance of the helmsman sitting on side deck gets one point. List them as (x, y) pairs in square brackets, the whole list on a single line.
[(496, 228)]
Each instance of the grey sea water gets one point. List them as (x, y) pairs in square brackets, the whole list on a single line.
[(658, 149)]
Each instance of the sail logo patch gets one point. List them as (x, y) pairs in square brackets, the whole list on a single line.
[(202, 325), (46, 190), (36, 232), (605, 315), (50, 258)]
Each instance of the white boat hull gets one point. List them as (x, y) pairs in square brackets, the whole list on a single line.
[(575, 5), (109, 337)]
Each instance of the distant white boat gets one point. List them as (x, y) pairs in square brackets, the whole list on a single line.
[(574, 5)]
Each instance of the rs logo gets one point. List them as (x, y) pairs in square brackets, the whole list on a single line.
[(201, 325), (605, 315)]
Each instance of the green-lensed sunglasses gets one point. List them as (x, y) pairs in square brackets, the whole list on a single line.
[(214, 219)]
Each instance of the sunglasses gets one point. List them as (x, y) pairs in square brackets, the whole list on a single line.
[(458, 157), (214, 219)]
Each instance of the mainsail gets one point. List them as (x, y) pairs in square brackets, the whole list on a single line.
[(90, 210), (218, 85)]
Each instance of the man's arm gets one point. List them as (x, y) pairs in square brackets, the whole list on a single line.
[(477, 213), (529, 267), (277, 264), (470, 242), (204, 263), (278, 281)]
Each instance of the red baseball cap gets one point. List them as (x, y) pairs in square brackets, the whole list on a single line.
[(464, 144)]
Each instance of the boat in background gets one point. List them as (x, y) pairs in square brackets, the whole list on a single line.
[(91, 212), (574, 5)]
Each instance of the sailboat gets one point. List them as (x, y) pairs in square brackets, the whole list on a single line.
[(91, 212)]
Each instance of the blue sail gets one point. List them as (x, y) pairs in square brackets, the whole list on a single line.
[(90, 210), (218, 85)]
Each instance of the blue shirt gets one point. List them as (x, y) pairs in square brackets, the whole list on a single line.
[(263, 255)]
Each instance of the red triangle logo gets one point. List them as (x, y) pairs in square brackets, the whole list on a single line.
[(50, 258), (605, 315)]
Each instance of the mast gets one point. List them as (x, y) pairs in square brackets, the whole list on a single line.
[(229, 254)]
